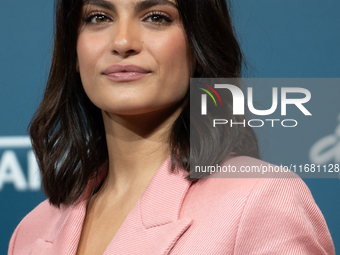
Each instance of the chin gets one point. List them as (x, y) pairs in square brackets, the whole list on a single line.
[(129, 110), (144, 111)]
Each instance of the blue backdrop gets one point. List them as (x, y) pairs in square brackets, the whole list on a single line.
[(281, 38)]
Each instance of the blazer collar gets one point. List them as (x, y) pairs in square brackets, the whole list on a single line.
[(162, 200), (152, 227)]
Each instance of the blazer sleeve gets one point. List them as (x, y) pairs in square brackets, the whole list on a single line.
[(281, 217)]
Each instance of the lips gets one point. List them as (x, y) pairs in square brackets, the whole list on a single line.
[(124, 73)]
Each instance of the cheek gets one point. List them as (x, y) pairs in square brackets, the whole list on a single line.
[(89, 50), (171, 53)]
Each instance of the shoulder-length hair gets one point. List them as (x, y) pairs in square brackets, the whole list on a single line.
[(67, 130)]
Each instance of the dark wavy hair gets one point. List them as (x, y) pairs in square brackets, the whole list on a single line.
[(67, 130)]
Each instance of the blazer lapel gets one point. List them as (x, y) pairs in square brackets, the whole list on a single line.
[(152, 227), (64, 237)]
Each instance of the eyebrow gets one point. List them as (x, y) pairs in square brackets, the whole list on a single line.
[(149, 3), (101, 3), (137, 7)]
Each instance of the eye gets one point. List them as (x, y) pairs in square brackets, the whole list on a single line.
[(99, 19), (96, 18), (158, 18)]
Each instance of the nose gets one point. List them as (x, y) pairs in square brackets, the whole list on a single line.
[(126, 39)]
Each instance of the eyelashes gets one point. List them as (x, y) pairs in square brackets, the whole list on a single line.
[(156, 18), (96, 17), (159, 18)]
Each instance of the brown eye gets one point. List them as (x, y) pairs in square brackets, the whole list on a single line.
[(157, 19), (96, 18), (99, 19)]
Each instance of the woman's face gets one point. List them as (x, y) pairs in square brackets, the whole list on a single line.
[(133, 55)]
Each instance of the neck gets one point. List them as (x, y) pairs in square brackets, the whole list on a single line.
[(137, 146)]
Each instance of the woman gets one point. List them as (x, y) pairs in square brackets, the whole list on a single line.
[(115, 108)]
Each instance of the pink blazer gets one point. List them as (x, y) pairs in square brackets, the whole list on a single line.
[(174, 216)]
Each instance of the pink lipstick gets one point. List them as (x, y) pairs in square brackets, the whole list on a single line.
[(125, 73)]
